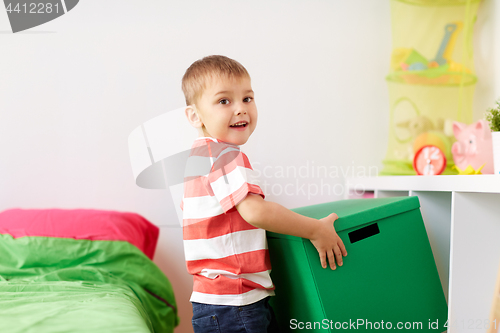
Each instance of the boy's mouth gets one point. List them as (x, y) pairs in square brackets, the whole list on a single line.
[(241, 124)]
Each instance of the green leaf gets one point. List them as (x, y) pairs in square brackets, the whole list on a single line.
[(493, 117)]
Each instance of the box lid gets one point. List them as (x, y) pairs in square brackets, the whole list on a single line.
[(356, 212)]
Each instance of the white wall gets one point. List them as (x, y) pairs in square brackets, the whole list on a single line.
[(486, 53), (73, 89)]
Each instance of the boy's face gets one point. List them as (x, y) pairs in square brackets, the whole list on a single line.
[(227, 110)]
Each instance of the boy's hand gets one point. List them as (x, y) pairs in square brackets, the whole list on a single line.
[(328, 243), (276, 218)]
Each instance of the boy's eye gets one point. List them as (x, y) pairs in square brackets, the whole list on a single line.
[(247, 99), (224, 101)]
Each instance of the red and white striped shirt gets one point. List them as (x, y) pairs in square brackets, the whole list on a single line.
[(227, 256)]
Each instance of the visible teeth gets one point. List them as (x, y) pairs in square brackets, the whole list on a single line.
[(237, 124)]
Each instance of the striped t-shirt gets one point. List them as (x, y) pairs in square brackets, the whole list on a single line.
[(227, 256)]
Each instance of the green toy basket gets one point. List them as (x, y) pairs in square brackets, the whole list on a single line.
[(431, 80), (388, 278)]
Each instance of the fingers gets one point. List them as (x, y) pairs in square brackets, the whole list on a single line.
[(331, 260), (334, 255), (338, 256), (322, 258), (342, 247)]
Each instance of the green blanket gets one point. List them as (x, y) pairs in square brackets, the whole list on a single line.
[(50, 284)]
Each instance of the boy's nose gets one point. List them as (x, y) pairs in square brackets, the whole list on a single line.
[(240, 110)]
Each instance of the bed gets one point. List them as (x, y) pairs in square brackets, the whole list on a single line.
[(81, 270)]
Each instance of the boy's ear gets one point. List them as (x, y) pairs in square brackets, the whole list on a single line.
[(193, 117)]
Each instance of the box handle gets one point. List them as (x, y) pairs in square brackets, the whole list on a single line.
[(360, 234)]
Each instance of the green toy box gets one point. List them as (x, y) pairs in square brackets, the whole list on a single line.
[(389, 279)]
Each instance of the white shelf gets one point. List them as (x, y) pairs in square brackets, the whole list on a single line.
[(462, 183), (462, 219)]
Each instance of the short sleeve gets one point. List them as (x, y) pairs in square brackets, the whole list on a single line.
[(232, 178)]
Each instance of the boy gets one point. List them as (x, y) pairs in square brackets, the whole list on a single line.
[(225, 214)]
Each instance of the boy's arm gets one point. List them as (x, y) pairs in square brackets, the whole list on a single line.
[(276, 218)]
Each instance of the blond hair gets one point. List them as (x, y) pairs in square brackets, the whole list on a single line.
[(198, 75)]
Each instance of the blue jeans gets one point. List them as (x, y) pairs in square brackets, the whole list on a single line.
[(257, 317)]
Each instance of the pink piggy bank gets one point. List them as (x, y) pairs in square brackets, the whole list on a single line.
[(473, 147)]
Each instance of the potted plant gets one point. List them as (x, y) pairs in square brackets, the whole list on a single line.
[(493, 117)]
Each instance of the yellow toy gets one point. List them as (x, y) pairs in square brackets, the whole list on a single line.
[(469, 170)]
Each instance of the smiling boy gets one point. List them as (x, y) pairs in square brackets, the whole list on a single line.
[(225, 214)]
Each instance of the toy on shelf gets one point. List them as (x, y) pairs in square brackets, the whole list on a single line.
[(429, 161), (469, 170), (411, 129), (473, 147), (432, 153)]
